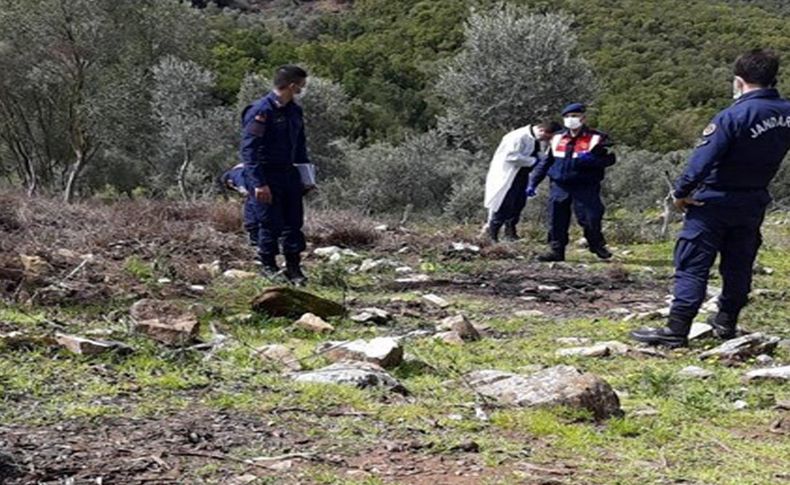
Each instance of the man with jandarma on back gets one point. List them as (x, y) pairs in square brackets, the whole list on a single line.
[(724, 194)]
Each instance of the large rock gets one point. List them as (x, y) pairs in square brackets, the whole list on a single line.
[(561, 385), (290, 302), (383, 351), (742, 348), (165, 322), (769, 374), (355, 373), (313, 323), (84, 346)]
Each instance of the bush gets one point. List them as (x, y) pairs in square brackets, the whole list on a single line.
[(638, 180)]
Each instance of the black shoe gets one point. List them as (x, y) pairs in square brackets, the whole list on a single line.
[(293, 270), (492, 232), (725, 325), (660, 336), (551, 256), (510, 234), (269, 268), (601, 252)]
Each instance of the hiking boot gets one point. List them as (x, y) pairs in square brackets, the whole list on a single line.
[(269, 268), (601, 252), (660, 336), (492, 232), (725, 325), (552, 256), (293, 269), (510, 234)]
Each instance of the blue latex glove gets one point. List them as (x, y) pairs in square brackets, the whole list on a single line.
[(532, 192)]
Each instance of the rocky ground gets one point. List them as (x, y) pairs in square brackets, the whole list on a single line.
[(137, 345)]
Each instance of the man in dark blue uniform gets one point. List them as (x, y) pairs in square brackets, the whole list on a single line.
[(233, 179), (576, 163), (273, 140), (724, 193)]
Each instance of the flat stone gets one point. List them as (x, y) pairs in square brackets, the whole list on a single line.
[(436, 300), (695, 372), (313, 323), (413, 279), (742, 348), (529, 314), (461, 326), (21, 340), (165, 321), (355, 373), (769, 374), (237, 274), (615, 347), (84, 346), (578, 341), (561, 385), (404, 270), (764, 360), (280, 355), (700, 331), (450, 337), (286, 301), (372, 315), (548, 288), (592, 351), (327, 251), (383, 351)]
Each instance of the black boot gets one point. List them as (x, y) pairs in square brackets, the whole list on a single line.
[(492, 232), (293, 269), (510, 233), (674, 335), (725, 325), (269, 268), (601, 252), (553, 255)]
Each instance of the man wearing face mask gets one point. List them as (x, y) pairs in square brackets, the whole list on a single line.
[(508, 175), (273, 140), (724, 194), (577, 159)]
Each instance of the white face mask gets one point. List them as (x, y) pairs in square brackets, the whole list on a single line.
[(572, 123), (737, 89)]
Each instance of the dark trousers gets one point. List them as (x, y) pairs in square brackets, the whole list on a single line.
[(586, 203), (282, 220), (513, 204), (731, 231)]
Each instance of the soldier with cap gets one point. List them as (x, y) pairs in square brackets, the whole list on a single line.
[(577, 159), (273, 141), (724, 194)]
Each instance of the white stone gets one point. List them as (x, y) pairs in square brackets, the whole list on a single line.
[(313, 323), (355, 373), (327, 251), (548, 288), (695, 372), (374, 315), (237, 274), (700, 330), (770, 373), (436, 300), (529, 314), (593, 351)]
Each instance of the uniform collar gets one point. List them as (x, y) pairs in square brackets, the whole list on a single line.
[(275, 100), (759, 93)]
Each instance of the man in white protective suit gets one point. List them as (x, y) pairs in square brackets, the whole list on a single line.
[(508, 176)]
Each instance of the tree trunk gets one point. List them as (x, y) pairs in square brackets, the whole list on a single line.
[(182, 173), (71, 180)]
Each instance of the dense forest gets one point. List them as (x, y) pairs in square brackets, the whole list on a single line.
[(125, 96)]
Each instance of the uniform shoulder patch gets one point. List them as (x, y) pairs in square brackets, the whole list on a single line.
[(709, 130)]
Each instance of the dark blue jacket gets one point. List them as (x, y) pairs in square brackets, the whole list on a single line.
[(272, 137), (575, 161), (740, 151)]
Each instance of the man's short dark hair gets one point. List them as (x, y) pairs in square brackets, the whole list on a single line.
[(758, 66), (289, 74), (550, 126)]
